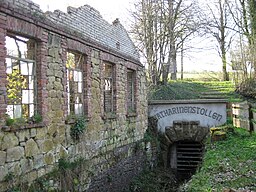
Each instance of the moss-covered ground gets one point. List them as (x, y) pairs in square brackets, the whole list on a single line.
[(227, 164)]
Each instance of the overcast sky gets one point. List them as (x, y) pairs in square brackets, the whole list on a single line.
[(112, 9)]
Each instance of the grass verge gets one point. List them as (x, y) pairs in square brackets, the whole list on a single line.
[(227, 164), (178, 90)]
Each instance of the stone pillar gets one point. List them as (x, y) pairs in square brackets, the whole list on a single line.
[(42, 93), (55, 88)]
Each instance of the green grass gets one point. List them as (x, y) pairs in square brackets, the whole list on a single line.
[(202, 76), (227, 164), (176, 90), (179, 90)]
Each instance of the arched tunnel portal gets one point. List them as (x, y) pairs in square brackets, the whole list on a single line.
[(182, 147)]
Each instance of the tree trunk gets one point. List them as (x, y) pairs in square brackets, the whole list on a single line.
[(181, 61)]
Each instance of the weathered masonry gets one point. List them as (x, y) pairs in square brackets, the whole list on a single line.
[(55, 66), (184, 125)]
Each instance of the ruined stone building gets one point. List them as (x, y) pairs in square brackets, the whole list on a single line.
[(54, 67)]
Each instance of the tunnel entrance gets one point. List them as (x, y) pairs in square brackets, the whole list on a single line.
[(185, 157), (182, 147)]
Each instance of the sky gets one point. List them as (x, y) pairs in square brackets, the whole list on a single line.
[(207, 60), (110, 9)]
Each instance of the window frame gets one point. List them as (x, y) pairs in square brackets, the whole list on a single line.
[(112, 112), (131, 110), (82, 81), (30, 77)]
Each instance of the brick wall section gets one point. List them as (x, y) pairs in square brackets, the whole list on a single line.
[(108, 144), (2, 65), (42, 75)]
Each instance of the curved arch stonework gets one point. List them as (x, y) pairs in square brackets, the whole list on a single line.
[(181, 131), (187, 122)]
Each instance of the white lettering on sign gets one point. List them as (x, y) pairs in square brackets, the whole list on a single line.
[(189, 109)]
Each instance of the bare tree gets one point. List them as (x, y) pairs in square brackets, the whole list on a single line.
[(159, 28), (220, 26), (244, 15)]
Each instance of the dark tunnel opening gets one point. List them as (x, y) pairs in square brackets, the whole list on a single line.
[(185, 157)]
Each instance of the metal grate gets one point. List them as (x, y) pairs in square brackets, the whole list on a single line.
[(189, 156)]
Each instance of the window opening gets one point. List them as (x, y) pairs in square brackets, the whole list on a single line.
[(75, 83), (108, 89), (21, 77), (131, 90)]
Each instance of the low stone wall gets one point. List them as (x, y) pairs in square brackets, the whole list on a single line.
[(209, 112), (185, 121), (118, 177)]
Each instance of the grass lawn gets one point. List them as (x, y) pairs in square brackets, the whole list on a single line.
[(178, 90), (227, 164)]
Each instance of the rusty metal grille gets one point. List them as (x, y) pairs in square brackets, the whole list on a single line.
[(189, 156)]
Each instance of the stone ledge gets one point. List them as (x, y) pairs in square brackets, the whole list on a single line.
[(132, 114), (26, 126), (164, 102), (73, 121), (109, 116)]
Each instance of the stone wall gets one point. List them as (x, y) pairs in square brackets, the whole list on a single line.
[(209, 112), (112, 147)]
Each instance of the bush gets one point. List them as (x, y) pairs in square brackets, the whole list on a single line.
[(247, 88), (78, 128)]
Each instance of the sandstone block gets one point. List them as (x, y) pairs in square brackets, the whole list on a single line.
[(49, 86), (1, 135), (52, 93), (58, 74), (52, 129), (22, 135), (14, 168), (22, 144), (59, 94), (63, 152), (2, 157), (46, 145), (50, 72), (58, 86), (53, 52), (51, 80), (3, 172), (54, 66), (26, 165), (41, 133), (31, 176), (60, 113), (62, 129), (9, 141), (49, 159), (59, 139), (31, 148), (38, 161), (41, 172), (55, 105), (32, 132), (15, 154)]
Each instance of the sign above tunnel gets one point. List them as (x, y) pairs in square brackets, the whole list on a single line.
[(209, 112)]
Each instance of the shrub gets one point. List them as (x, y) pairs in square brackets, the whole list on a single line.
[(247, 88)]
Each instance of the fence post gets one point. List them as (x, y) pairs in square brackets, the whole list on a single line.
[(240, 113)]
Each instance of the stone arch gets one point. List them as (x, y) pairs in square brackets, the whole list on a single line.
[(181, 131)]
